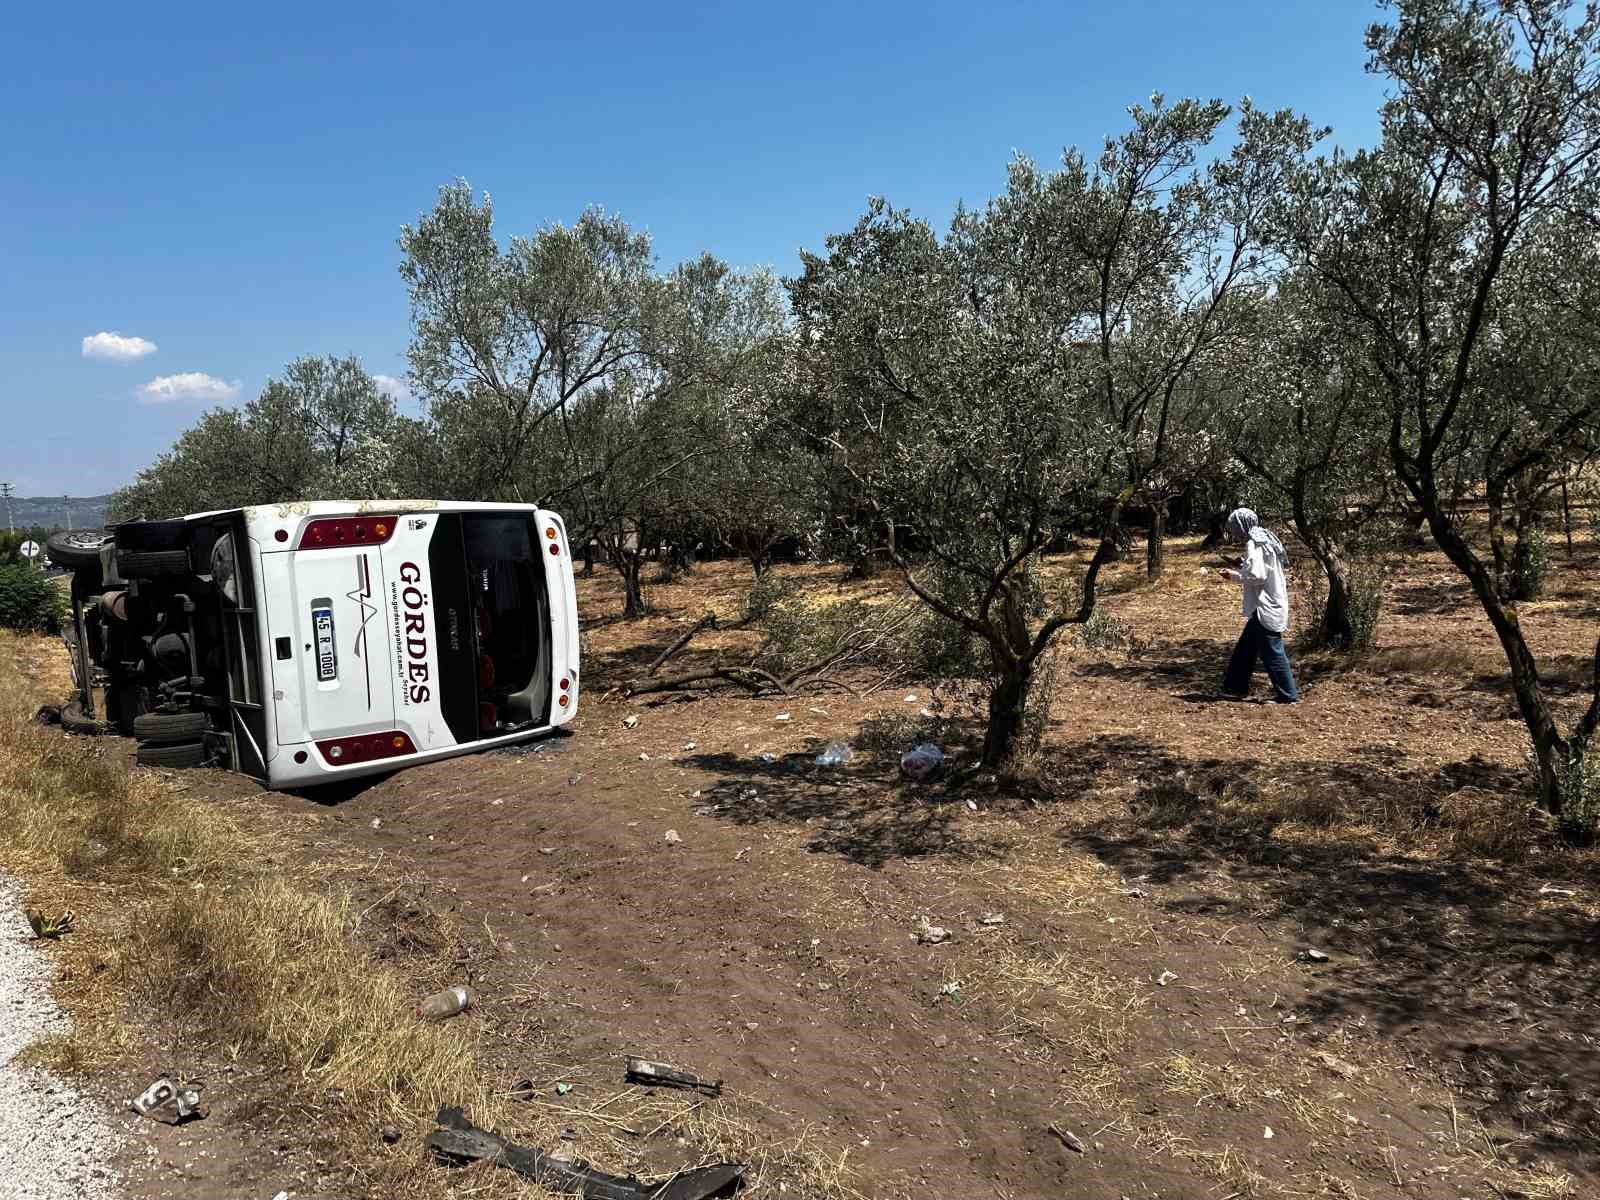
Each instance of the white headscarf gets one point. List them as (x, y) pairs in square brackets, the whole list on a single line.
[(1246, 526)]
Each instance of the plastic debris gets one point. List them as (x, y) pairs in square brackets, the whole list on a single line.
[(783, 717), (1165, 978), (837, 754), (49, 927), (443, 1005), (922, 762), (630, 722)]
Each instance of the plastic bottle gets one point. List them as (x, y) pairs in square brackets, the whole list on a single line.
[(447, 1003)]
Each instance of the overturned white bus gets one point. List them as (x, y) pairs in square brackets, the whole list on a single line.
[(303, 643)]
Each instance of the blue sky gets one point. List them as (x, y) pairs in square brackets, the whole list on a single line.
[(226, 182)]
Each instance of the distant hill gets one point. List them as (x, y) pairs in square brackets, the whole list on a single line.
[(51, 512)]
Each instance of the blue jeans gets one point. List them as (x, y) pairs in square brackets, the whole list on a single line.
[(1257, 641)]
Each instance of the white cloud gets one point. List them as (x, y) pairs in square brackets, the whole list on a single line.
[(190, 385), (396, 389), (116, 347)]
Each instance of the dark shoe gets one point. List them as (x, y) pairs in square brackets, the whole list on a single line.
[(1231, 697)]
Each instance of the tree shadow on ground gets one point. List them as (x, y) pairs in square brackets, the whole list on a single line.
[(1496, 980), (1195, 663), (856, 811)]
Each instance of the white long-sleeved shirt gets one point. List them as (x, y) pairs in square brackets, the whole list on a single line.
[(1266, 590)]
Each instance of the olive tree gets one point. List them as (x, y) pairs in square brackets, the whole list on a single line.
[(503, 341), (1173, 252), (667, 441), (1311, 438), (1464, 249), (961, 408), (323, 430)]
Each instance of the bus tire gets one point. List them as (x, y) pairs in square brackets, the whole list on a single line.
[(77, 549), (152, 564), (184, 754), (135, 536), (164, 729)]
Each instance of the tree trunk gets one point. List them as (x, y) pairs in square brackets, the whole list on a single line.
[(1566, 515), (1008, 708), (632, 586), (1336, 630), (1550, 749), (1155, 550), (862, 565), (588, 558), (1215, 521)]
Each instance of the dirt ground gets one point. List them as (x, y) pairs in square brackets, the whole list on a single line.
[(1230, 950)]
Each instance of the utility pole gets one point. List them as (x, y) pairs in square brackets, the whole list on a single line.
[(5, 490)]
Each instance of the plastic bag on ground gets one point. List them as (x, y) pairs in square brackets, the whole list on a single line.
[(837, 754), (922, 762)]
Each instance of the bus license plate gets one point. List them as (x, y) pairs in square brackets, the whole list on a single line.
[(327, 659)]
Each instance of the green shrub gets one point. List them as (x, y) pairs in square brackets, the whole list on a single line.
[(1368, 579), (1580, 799), (1102, 631), (29, 603), (1529, 562)]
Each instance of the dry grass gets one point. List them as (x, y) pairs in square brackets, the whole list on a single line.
[(175, 914)]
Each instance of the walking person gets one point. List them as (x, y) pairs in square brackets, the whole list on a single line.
[(1261, 576)]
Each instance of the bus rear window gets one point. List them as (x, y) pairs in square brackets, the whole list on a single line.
[(510, 605)]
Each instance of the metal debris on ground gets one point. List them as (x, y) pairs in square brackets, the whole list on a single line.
[(1165, 978), (658, 1074), (630, 722), (164, 1101), (1550, 889), (458, 1142), (1314, 955), (1068, 1139)]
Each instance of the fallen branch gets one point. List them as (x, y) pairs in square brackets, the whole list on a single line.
[(674, 683), (709, 621)]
